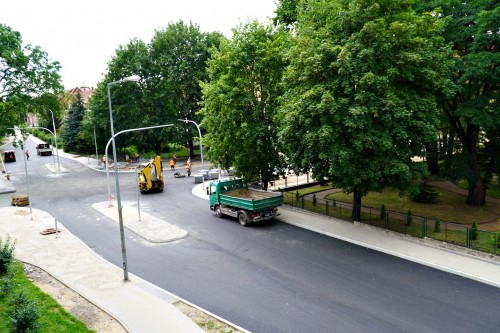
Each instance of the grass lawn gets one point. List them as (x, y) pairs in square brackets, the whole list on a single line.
[(492, 191), (449, 206), (53, 317)]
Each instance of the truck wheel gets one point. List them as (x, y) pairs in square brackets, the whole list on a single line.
[(242, 219), (218, 211)]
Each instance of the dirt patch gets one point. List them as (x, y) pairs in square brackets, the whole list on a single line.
[(208, 323), (91, 315)]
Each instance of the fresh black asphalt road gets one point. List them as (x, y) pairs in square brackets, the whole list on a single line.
[(271, 277)]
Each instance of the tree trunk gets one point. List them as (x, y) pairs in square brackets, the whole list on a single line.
[(157, 149), (356, 206), (191, 148), (432, 158), (449, 146), (477, 191)]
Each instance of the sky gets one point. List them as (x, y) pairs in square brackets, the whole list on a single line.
[(83, 35)]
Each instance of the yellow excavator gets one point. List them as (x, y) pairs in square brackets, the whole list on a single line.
[(150, 176)]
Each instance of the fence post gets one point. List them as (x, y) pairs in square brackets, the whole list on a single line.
[(303, 201), (424, 228), (386, 220), (327, 208), (468, 242)]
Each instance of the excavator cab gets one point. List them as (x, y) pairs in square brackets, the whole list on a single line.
[(150, 176)]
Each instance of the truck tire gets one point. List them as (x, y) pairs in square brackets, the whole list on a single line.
[(242, 219), (218, 211)]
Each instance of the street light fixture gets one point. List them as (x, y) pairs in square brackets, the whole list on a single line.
[(134, 78), (201, 144)]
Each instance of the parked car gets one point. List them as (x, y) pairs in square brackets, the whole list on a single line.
[(43, 149), (9, 156)]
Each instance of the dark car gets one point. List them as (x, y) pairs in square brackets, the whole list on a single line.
[(9, 156)]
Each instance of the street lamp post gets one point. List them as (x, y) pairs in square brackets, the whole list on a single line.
[(95, 143), (201, 144), (55, 140), (199, 133), (118, 198)]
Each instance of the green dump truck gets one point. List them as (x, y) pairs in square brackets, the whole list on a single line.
[(234, 198)]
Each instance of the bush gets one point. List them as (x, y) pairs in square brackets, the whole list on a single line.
[(423, 194), (437, 226), (473, 231), (24, 313), (6, 254)]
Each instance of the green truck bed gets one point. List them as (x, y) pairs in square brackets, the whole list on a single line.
[(252, 200)]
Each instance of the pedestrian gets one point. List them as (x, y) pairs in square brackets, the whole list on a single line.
[(136, 157), (172, 164), (188, 167), (27, 154)]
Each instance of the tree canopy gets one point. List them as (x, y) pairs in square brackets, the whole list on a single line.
[(171, 67), (360, 96), (240, 100), (473, 112), (26, 72)]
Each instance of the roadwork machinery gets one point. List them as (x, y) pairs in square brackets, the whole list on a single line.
[(150, 176)]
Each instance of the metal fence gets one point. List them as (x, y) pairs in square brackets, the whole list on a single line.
[(417, 226)]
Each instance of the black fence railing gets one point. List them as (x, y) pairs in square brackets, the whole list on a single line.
[(454, 233)]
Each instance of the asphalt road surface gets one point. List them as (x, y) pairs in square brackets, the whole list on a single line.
[(271, 277)]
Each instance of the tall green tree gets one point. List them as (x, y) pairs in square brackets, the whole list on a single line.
[(179, 54), (72, 125), (360, 93), (26, 72), (170, 67), (473, 110), (240, 101)]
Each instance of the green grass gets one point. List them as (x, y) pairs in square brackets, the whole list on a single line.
[(449, 206), (493, 190), (53, 316)]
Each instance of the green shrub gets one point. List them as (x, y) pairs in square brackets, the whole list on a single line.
[(437, 226), (409, 218), (6, 254), (24, 313), (6, 284), (423, 194), (473, 231)]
